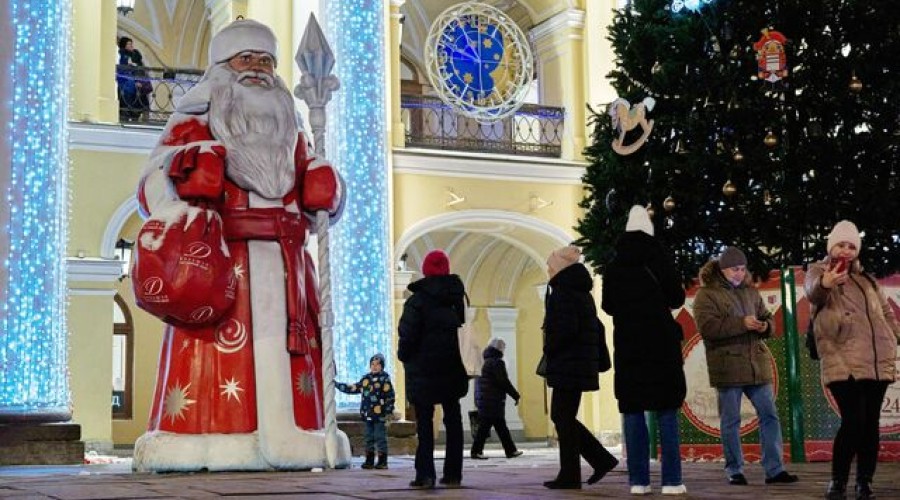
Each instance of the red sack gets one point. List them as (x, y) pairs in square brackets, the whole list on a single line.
[(182, 270)]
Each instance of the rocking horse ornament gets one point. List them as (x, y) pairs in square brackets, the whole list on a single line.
[(625, 118)]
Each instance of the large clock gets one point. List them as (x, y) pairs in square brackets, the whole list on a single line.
[(478, 61)]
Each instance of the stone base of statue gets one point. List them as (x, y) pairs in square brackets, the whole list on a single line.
[(41, 444)]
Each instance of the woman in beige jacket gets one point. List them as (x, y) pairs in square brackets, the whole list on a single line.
[(856, 335)]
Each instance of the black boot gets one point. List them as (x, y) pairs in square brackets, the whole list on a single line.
[(837, 490), (382, 461), (864, 489), (370, 460)]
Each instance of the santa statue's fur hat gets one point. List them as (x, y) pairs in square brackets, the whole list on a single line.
[(240, 36)]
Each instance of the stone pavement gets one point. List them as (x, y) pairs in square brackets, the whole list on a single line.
[(496, 478)]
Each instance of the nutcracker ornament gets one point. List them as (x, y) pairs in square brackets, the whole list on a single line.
[(770, 56)]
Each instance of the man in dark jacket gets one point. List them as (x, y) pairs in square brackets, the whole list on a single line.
[(491, 389), (572, 350), (428, 346)]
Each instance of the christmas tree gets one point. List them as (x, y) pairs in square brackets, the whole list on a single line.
[(737, 156)]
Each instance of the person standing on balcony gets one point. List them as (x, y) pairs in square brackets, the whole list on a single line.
[(129, 106), (242, 391)]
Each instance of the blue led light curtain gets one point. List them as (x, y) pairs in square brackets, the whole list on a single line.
[(33, 156), (357, 145)]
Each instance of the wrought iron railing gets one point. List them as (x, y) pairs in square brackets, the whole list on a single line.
[(533, 130), (148, 95)]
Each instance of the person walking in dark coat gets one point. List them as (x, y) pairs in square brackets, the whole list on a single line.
[(572, 352), (491, 389), (640, 288), (429, 349)]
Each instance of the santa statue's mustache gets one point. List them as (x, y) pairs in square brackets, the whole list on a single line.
[(266, 78)]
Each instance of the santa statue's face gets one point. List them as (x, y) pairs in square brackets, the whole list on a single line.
[(252, 113)]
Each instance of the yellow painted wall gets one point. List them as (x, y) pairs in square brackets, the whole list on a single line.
[(90, 363)]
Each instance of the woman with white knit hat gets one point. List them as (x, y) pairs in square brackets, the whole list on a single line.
[(856, 335)]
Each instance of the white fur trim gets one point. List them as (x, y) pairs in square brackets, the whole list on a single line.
[(196, 100), (160, 451), (241, 35)]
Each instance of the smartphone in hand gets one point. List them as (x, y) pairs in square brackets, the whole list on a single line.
[(840, 264)]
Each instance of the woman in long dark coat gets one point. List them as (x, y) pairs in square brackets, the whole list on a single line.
[(640, 287), (429, 349), (572, 352)]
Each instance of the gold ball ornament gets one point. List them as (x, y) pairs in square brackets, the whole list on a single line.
[(771, 139), (650, 210), (669, 204), (738, 156), (729, 189), (856, 85)]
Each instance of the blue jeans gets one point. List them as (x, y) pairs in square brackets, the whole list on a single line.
[(763, 399), (637, 448), (376, 437)]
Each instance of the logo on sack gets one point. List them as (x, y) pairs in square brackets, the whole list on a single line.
[(151, 290), (201, 314), (195, 254), (198, 250)]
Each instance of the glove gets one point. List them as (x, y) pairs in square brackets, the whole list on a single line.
[(321, 189), (198, 172)]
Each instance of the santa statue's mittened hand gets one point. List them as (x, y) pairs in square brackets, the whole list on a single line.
[(198, 172), (321, 189)]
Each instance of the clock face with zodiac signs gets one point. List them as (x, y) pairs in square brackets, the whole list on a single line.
[(479, 61)]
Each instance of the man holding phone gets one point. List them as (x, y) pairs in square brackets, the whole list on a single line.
[(733, 321)]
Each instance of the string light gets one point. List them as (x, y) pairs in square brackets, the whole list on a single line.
[(33, 342), (360, 257)]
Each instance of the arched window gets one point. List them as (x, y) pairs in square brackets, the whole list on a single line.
[(123, 360)]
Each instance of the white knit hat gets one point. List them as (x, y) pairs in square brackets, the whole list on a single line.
[(844, 231), (497, 343), (239, 36), (639, 220), (562, 258)]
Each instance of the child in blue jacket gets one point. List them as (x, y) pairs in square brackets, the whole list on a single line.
[(376, 406)]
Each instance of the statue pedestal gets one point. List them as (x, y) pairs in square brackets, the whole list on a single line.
[(41, 444), (401, 434)]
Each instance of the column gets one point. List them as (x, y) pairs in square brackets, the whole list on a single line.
[(398, 131), (34, 385), (223, 12), (357, 146), (94, 96), (559, 50), (503, 326)]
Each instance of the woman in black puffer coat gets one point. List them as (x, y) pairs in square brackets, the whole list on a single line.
[(491, 389), (572, 351), (429, 349), (640, 288)]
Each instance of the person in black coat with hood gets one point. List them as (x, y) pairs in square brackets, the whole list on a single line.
[(572, 344), (429, 349), (491, 389), (640, 289)]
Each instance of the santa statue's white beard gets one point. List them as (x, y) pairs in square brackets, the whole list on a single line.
[(258, 126)]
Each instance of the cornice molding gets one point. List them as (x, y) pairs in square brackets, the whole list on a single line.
[(113, 138), (562, 21), (93, 270), (496, 167)]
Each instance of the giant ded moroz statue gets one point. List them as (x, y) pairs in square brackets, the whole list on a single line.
[(229, 195)]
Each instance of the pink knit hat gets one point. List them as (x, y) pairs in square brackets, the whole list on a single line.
[(436, 263)]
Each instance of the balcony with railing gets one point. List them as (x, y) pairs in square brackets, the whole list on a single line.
[(147, 96), (532, 131)]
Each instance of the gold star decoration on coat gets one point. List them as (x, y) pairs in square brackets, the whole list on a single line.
[(177, 402), (305, 384), (231, 388)]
